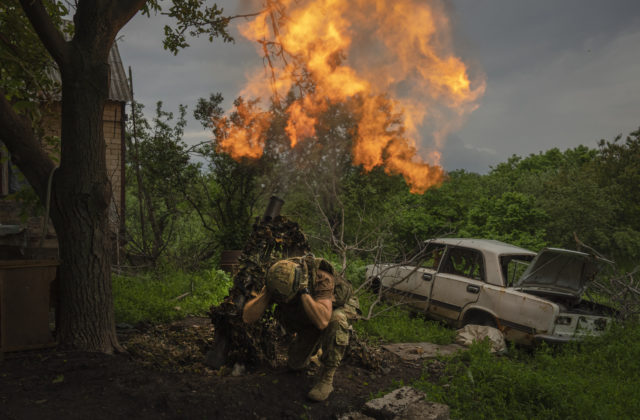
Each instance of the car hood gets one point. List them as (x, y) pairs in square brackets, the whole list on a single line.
[(561, 271)]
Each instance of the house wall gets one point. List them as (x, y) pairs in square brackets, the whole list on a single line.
[(10, 212), (112, 126)]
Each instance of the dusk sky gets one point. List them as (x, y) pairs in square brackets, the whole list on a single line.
[(559, 74)]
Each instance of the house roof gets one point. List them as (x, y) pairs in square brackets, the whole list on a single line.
[(119, 85)]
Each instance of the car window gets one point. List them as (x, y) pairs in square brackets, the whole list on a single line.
[(432, 256), (464, 262), (513, 266)]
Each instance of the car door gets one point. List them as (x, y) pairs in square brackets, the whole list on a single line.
[(411, 283), (458, 282)]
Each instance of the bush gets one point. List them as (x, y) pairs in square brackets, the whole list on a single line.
[(595, 379), (152, 296)]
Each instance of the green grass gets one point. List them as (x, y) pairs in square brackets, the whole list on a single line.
[(397, 325), (596, 379), (151, 296)]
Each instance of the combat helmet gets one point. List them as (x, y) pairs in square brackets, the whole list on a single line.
[(283, 280)]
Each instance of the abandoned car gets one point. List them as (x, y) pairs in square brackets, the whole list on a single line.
[(530, 297)]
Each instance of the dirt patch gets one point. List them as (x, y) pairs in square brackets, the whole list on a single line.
[(163, 376)]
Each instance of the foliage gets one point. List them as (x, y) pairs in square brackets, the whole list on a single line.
[(513, 217), (227, 191), (25, 65), (179, 208), (618, 169), (439, 211), (595, 379), (193, 17), (152, 296), (356, 270), (158, 166)]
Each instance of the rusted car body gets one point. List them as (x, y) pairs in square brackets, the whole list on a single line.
[(530, 297)]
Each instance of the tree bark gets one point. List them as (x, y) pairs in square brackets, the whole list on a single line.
[(80, 208), (81, 189)]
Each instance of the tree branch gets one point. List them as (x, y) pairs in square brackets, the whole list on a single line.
[(124, 10), (16, 133), (49, 35)]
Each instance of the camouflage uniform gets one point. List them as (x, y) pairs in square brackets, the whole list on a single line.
[(333, 339)]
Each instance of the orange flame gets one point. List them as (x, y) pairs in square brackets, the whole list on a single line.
[(366, 49), (244, 140)]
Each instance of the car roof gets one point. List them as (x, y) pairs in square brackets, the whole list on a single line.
[(488, 245)]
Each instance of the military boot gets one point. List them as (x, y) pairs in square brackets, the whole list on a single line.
[(324, 387)]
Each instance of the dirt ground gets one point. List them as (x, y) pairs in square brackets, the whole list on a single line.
[(163, 376)]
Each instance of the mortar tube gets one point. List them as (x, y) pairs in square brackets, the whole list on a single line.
[(273, 209)]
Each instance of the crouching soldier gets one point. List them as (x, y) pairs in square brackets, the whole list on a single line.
[(316, 305)]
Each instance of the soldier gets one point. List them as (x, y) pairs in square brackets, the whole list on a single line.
[(309, 304)]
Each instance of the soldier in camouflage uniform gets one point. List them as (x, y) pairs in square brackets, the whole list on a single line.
[(306, 299)]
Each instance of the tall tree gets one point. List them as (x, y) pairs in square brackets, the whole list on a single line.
[(81, 190)]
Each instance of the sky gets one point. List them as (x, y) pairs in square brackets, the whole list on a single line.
[(559, 74)]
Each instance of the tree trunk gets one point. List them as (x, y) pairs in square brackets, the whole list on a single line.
[(81, 190), (80, 209)]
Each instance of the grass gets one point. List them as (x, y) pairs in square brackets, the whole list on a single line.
[(152, 296), (595, 379), (397, 325)]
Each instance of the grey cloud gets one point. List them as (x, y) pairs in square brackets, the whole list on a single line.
[(195, 72), (458, 155), (507, 35), (576, 98)]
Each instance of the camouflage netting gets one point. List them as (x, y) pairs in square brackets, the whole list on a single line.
[(235, 341)]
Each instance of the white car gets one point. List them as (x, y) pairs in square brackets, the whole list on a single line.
[(530, 297)]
